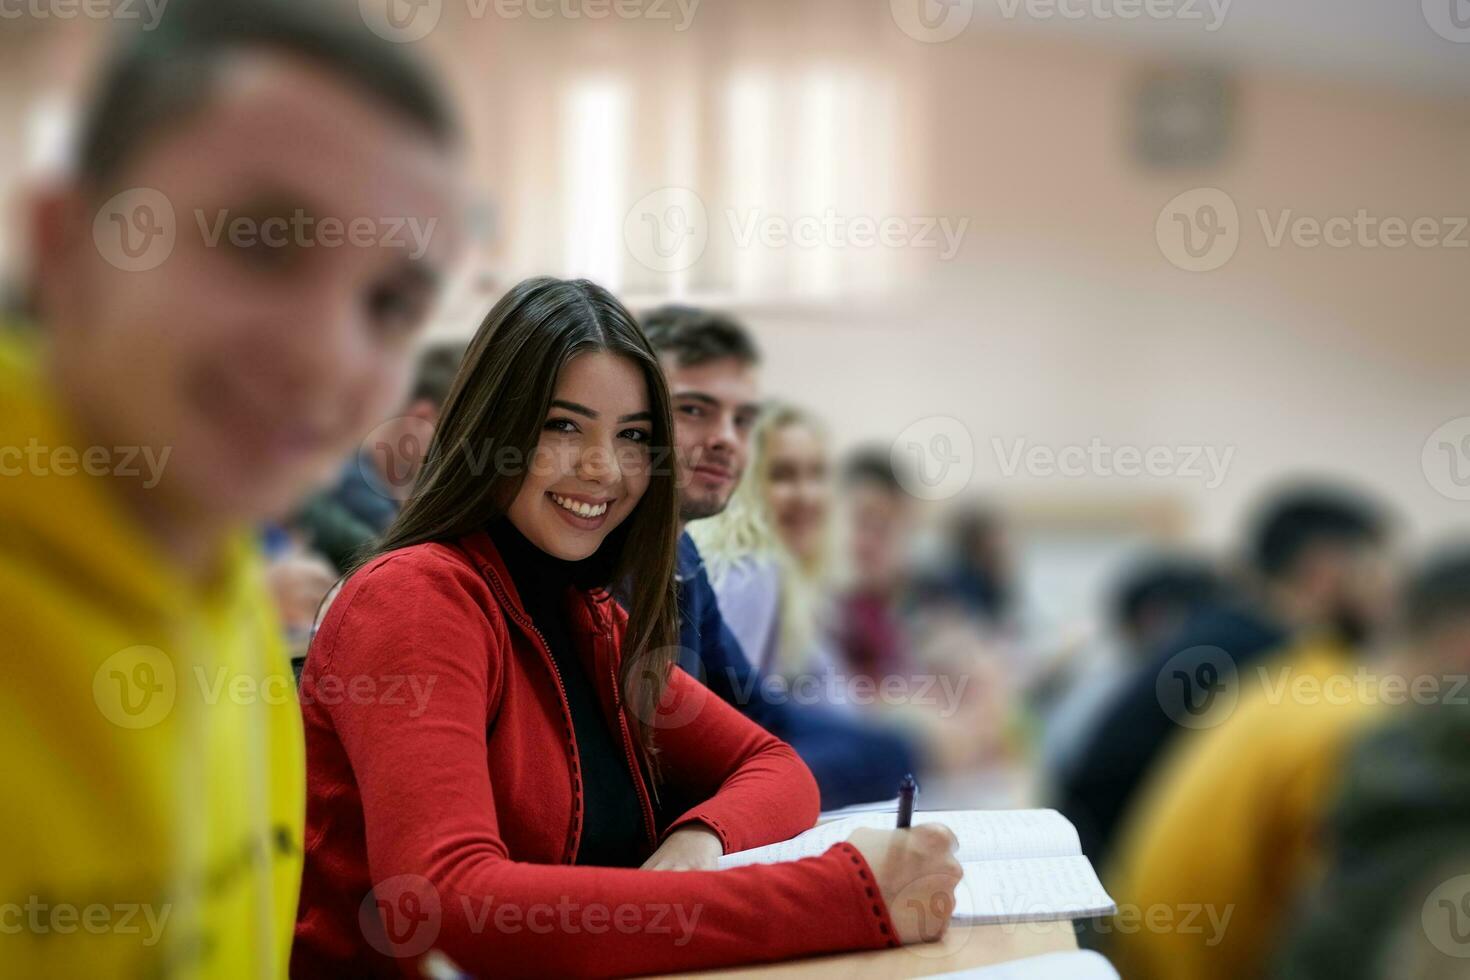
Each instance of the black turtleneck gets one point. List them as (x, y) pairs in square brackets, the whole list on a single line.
[(612, 824)]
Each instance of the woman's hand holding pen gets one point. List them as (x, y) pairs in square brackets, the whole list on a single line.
[(917, 874)]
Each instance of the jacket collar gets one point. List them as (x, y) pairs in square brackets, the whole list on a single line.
[(591, 625)]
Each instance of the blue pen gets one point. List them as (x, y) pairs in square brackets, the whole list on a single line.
[(907, 790)]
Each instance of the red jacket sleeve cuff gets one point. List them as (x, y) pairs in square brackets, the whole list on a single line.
[(699, 816), (865, 887)]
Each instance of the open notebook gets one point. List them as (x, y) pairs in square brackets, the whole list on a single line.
[(1075, 965), (1020, 865)]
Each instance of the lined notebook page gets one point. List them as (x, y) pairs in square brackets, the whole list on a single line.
[(983, 835), (1029, 890)]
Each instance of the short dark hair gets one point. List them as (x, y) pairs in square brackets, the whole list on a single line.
[(437, 366), (156, 77), (1438, 591), (872, 465), (695, 336), (1304, 517), (1183, 582)]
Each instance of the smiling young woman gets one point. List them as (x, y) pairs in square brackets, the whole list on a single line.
[(522, 817)]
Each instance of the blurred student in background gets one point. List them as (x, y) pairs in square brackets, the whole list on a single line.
[(347, 518), (870, 632), (565, 758), (768, 557), (977, 573), (712, 367), (1314, 566), (1258, 774), (768, 553), (174, 404), (1153, 599), (1394, 901)]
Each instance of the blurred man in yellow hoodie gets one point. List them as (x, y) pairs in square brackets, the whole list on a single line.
[(225, 294), (1226, 831)]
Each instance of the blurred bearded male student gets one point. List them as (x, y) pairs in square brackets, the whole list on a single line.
[(150, 726), (1314, 567)]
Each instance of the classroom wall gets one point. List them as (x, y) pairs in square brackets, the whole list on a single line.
[(1059, 320)]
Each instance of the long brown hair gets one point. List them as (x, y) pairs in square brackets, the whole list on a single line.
[(487, 434)]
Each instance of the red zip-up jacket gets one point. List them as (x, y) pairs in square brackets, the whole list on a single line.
[(444, 803)]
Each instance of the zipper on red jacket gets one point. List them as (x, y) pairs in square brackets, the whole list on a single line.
[(566, 704), (649, 822), (650, 825)]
